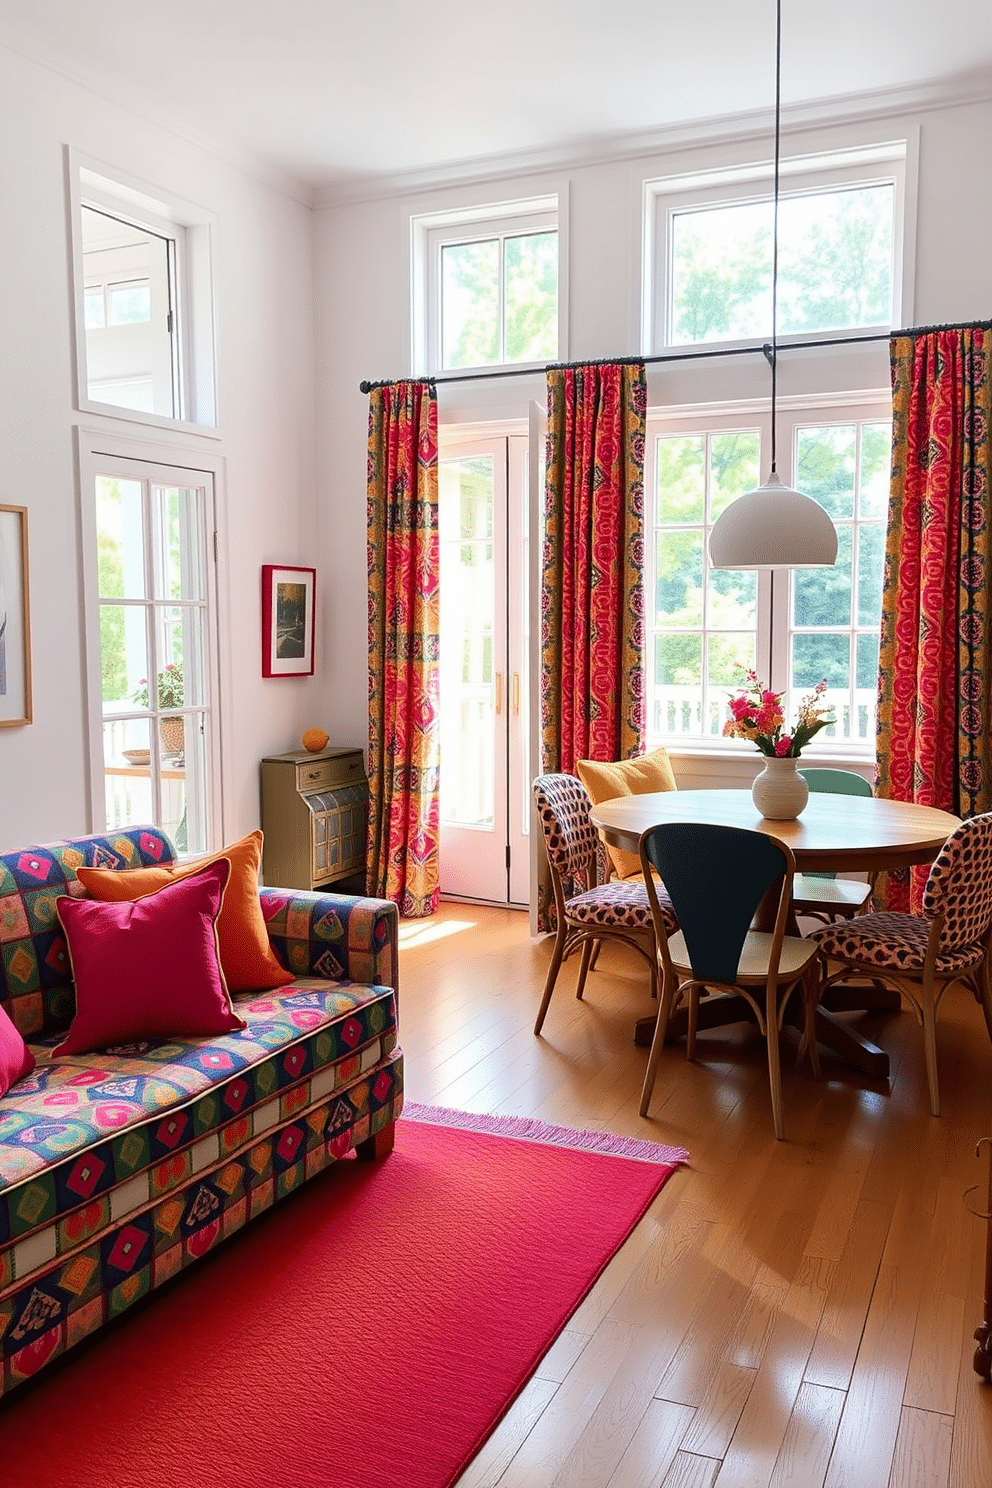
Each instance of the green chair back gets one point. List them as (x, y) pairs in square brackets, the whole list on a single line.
[(837, 782), (716, 877)]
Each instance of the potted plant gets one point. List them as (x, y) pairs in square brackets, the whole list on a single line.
[(170, 694)]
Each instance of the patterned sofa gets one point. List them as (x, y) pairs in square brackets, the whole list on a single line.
[(119, 1168)]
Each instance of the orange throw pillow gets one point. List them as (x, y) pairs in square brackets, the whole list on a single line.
[(246, 956), (633, 777)]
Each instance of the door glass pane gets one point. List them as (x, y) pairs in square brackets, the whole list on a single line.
[(876, 453), (531, 264), (470, 304), (468, 600), (120, 538), (179, 509), (123, 657), (679, 584), (127, 772), (678, 684)]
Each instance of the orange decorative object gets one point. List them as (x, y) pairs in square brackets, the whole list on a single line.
[(314, 739)]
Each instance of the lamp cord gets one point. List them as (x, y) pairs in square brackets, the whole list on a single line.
[(778, 116)]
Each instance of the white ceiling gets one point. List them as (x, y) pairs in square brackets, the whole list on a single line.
[(329, 91)]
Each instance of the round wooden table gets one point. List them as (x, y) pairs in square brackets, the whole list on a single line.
[(842, 834)]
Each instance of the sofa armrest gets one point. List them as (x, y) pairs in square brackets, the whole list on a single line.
[(336, 936)]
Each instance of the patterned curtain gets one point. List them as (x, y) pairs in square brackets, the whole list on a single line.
[(404, 726), (934, 714), (592, 687)]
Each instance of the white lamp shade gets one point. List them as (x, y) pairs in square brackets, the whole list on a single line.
[(773, 527)]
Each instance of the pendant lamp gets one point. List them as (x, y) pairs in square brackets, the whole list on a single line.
[(773, 526)]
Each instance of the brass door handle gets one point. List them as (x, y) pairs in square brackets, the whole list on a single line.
[(516, 694), (498, 683)]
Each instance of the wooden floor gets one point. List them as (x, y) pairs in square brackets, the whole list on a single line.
[(792, 1313)]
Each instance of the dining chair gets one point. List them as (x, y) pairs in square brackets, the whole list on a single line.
[(822, 895), (618, 910), (921, 955), (716, 877)]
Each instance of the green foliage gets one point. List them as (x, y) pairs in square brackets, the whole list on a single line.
[(470, 299), (113, 671)]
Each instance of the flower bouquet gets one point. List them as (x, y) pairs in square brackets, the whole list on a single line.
[(756, 714)]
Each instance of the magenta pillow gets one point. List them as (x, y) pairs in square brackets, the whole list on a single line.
[(148, 968), (16, 1059)]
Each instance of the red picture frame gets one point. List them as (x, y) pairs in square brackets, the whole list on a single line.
[(287, 620)]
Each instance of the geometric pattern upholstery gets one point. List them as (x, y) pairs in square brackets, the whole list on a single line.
[(619, 905), (891, 939), (35, 974), (120, 1167), (959, 883), (569, 834)]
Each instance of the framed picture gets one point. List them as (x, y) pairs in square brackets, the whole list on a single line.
[(287, 621), (15, 624)]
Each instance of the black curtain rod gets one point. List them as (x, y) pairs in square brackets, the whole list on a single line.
[(674, 356)]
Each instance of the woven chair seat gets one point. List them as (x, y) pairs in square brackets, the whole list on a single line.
[(618, 905), (897, 941)]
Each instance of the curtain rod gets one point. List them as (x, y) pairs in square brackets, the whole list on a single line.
[(674, 356)]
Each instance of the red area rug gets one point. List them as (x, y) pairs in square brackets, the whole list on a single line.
[(368, 1333)]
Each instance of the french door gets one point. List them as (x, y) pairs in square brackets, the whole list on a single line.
[(485, 705)]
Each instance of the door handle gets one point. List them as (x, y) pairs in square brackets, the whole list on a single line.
[(516, 694), (498, 683)]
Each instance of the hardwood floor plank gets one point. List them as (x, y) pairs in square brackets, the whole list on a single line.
[(809, 1438), (562, 1355), (831, 1362), (922, 1457), (688, 1471), (653, 1447), (488, 1466), (719, 1411)]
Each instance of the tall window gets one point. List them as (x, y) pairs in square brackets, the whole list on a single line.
[(488, 287), (840, 233), (795, 628), (152, 648)]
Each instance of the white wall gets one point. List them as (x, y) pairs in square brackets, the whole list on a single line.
[(363, 278), (263, 274)]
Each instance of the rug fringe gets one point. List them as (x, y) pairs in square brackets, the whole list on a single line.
[(529, 1129)]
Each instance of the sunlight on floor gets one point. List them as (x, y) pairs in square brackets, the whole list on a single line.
[(416, 933)]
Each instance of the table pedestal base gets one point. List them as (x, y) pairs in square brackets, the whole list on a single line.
[(832, 1033)]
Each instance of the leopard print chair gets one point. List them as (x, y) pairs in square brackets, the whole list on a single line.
[(618, 910), (922, 954)]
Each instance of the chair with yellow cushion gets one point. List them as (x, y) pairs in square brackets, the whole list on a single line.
[(612, 911), (633, 777)]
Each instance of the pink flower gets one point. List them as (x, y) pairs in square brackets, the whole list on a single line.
[(740, 707), (783, 746)]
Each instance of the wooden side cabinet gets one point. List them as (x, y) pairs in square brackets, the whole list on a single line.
[(314, 817)]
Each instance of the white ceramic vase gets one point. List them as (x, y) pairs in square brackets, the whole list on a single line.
[(779, 791)]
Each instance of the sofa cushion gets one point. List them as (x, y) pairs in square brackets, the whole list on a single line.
[(632, 777), (16, 1059), (35, 974), (83, 1127), (247, 958), (148, 969)]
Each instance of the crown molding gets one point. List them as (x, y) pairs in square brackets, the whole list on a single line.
[(244, 161), (879, 104)]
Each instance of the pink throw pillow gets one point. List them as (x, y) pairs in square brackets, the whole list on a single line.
[(148, 968), (16, 1059)]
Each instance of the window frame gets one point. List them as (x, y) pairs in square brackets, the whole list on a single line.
[(189, 233), (804, 174), (99, 454), (774, 589), (433, 231)]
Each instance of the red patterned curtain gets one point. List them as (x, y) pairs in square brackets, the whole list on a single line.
[(404, 727), (592, 689), (934, 714)]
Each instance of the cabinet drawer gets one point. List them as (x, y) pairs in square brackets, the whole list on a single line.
[(314, 776)]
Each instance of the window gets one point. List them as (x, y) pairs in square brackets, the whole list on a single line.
[(144, 304), (795, 628), (152, 645), (840, 250), (488, 287)]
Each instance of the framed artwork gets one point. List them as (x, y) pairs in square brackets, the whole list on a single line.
[(287, 620), (15, 621)]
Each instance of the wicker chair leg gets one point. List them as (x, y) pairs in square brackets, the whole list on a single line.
[(549, 983), (588, 946)]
